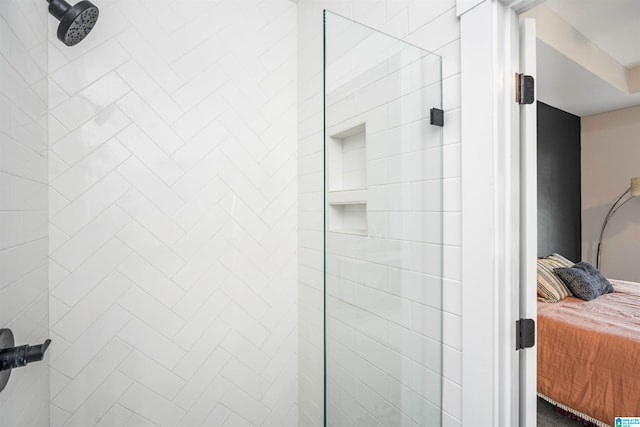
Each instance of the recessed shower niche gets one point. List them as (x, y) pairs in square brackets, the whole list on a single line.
[(348, 159), (347, 181)]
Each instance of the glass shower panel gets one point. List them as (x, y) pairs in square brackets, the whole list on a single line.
[(383, 229)]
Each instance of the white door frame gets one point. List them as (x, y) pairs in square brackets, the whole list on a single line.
[(489, 39)]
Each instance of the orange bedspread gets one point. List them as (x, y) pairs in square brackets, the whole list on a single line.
[(589, 353)]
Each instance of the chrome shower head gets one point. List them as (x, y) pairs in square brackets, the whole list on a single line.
[(75, 22)]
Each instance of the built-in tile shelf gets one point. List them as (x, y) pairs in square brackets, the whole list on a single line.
[(347, 181), (348, 218)]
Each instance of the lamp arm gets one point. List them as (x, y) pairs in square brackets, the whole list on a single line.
[(618, 208), (612, 210)]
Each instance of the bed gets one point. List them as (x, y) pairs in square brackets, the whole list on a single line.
[(589, 354)]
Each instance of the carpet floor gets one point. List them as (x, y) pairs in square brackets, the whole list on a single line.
[(549, 417)]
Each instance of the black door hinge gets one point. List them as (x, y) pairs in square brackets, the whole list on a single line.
[(525, 333), (437, 117), (524, 89)]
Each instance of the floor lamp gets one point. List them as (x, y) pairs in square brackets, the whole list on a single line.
[(632, 191)]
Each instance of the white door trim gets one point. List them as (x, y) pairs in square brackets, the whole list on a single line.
[(529, 225), (490, 210)]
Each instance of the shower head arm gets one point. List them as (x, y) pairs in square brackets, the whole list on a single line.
[(58, 8)]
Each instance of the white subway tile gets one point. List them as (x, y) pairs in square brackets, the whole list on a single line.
[(452, 364), (93, 341), (150, 342), (198, 88), (201, 261), (150, 154), (426, 382), (427, 321), (452, 195), (213, 107), (57, 382), (21, 227), (151, 406), (150, 279), (56, 201), (152, 249), (57, 417), (85, 104), (452, 296), (73, 395), (19, 194), (243, 404), (21, 260), (22, 161), (202, 56), (452, 262), (22, 293), (194, 180), (412, 404), (91, 307), (251, 301), (204, 384), (381, 409), (117, 416), (283, 358), (245, 324), (235, 420), (139, 176), (197, 209), (148, 122), (100, 401), (452, 98), (245, 378), (91, 169), (80, 212), (91, 238), (138, 421), (438, 29), (77, 143), (452, 330), (452, 399), (200, 351), (201, 413), (144, 212), (91, 66), (137, 78), (148, 309), (151, 375), (417, 347), (245, 351), (151, 62), (197, 147)]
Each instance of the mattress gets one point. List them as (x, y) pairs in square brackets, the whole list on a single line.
[(589, 353)]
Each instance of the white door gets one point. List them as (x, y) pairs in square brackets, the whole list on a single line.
[(528, 225)]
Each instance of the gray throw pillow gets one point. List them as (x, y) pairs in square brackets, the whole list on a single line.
[(584, 280)]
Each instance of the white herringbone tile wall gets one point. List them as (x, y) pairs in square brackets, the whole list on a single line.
[(433, 26), (23, 203), (173, 216)]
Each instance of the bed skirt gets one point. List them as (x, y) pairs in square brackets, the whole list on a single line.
[(574, 412)]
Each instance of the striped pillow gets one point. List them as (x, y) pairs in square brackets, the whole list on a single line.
[(550, 287), (562, 260)]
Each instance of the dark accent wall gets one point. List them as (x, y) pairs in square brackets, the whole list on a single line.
[(559, 188)]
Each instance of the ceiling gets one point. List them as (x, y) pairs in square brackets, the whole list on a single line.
[(609, 26)]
